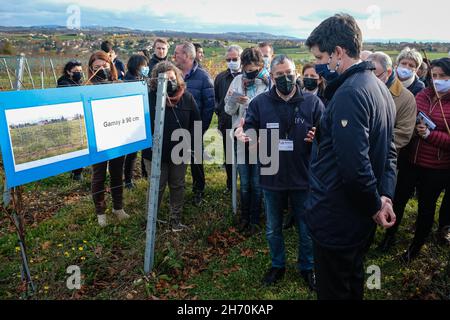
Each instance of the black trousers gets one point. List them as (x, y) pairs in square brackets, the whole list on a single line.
[(198, 174), (432, 183), (130, 161), (444, 212), (339, 272), (228, 167), (407, 180)]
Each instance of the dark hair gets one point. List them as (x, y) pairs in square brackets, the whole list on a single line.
[(146, 53), (197, 46), (443, 63), (135, 61), (265, 44), (107, 46), (252, 55), (163, 67), (322, 85), (70, 65), (340, 30)]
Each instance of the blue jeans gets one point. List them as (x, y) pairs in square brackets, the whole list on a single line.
[(250, 192), (275, 203)]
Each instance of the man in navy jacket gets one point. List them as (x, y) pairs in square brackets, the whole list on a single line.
[(200, 85), (353, 167), (293, 114)]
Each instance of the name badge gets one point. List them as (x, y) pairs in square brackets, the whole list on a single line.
[(286, 145), (273, 126)]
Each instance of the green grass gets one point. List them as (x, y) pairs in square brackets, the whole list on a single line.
[(208, 261), (43, 141)]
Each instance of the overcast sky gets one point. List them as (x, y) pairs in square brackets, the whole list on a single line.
[(379, 19)]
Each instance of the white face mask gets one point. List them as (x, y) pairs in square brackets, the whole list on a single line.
[(404, 73), (442, 86), (234, 66)]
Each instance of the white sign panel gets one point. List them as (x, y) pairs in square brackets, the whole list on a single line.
[(46, 134), (118, 121)]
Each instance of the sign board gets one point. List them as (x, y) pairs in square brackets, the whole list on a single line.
[(48, 132)]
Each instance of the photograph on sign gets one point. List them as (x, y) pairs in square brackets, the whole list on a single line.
[(46, 134), (118, 121)]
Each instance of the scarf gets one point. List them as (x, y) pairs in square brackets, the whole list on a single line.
[(173, 101), (391, 80), (407, 83)]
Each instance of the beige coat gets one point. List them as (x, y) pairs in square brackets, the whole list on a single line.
[(405, 121)]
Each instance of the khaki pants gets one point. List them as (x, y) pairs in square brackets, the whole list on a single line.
[(174, 175)]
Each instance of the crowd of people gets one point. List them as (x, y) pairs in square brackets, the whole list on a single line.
[(359, 135)]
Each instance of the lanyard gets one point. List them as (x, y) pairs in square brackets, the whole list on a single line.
[(290, 123)]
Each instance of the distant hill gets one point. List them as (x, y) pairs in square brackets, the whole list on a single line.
[(243, 36)]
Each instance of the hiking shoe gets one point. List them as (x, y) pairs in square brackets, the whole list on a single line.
[(121, 215), (102, 222), (273, 276), (177, 226)]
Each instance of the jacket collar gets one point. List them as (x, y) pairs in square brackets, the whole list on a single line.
[(333, 86), (396, 88), (430, 93), (194, 68), (156, 59)]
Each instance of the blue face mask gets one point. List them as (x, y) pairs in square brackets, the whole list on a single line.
[(324, 71), (404, 73), (145, 71), (442, 86)]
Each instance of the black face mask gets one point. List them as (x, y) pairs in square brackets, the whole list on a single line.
[(102, 75), (285, 84), (76, 76), (172, 87), (251, 75), (310, 84)]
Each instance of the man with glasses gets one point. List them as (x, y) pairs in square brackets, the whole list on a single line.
[(221, 85), (404, 100)]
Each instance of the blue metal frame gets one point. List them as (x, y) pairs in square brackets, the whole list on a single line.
[(84, 94)]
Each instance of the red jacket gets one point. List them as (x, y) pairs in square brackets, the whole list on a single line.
[(434, 152)]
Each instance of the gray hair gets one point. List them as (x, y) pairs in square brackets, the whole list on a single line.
[(189, 49), (280, 59), (411, 54), (235, 47), (382, 58)]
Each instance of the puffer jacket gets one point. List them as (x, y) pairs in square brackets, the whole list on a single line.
[(433, 152)]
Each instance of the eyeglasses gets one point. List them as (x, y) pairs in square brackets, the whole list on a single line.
[(234, 60), (379, 75)]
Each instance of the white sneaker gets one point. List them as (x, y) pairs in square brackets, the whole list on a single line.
[(102, 220), (120, 214)]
